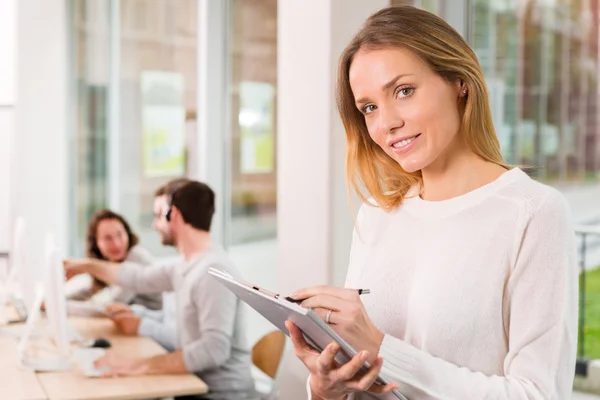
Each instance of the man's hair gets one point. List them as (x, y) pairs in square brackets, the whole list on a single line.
[(196, 203), (168, 188)]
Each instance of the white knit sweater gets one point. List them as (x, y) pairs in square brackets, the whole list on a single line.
[(476, 295)]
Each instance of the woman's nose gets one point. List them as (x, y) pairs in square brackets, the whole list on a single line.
[(389, 119)]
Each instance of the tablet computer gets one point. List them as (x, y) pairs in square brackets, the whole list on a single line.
[(277, 310)]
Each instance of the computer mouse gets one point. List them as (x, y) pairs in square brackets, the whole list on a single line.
[(101, 343)]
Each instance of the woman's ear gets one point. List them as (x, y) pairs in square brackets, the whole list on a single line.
[(463, 89)]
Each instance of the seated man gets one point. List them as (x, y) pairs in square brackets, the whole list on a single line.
[(209, 317), (160, 325)]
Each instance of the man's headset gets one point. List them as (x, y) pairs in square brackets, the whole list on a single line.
[(167, 213)]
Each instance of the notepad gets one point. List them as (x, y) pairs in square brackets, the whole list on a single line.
[(277, 310)]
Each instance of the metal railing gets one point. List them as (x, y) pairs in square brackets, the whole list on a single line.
[(583, 231)]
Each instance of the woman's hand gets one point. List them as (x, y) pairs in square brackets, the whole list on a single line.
[(343, 310), (329, 380)]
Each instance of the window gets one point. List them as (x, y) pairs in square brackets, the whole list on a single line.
[(437, 7), (157, 96), (253, 161), (135, 71), (540, 59), (90, 31)]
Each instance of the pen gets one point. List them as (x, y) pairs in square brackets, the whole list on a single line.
[(360, 291)]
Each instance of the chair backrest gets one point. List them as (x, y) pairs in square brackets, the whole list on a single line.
[(267, 352)]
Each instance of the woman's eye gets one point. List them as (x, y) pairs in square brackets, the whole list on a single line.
[(368, 109), (405, 92)]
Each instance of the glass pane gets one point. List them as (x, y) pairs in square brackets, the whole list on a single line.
[(89, 141), (433, 6), (541, 63), (253, 164), (157, 106), (158, 42)]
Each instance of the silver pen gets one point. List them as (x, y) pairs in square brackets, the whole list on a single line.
[(360, 291)]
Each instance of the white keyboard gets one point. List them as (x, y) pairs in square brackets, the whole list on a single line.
[(85, 358), (18, 330), (47, 364)]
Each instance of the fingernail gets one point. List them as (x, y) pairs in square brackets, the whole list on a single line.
[(294, 294), (363, 355)]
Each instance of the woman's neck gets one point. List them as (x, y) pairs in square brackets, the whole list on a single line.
[(456, 176)]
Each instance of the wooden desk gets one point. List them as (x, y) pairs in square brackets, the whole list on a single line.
[(73, 385), (18, 383)]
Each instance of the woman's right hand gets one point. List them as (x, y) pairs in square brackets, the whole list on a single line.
[(331, 381)]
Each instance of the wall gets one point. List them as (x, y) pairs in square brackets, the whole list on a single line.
[(40, 170), (8, 19), (314, 223)]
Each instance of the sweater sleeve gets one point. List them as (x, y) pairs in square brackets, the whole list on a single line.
[(163, 331), (541, 299), (217, 310), (140, 256), (142, 279)]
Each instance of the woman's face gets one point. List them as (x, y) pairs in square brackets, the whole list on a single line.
[(112, 240), (410, 112)]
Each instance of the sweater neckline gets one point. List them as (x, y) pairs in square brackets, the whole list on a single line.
[(427, 209)]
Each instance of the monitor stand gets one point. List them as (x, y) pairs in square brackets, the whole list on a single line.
[(46, 362), (9, 297)]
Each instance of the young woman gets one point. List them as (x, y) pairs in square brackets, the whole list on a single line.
[(471, 264), (110, 238)]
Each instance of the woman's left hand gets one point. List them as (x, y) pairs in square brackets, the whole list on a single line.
[(346, 314)]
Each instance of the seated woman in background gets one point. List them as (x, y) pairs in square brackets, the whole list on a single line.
[(110, 238)]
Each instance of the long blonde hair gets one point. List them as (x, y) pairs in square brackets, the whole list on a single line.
[(448, 55)]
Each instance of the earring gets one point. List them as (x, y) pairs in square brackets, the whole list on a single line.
[(464, 91)]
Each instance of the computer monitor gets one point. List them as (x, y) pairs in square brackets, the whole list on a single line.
[(56, 305), (51, 293), (20, 283)]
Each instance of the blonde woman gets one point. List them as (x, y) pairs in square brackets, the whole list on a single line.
[(471, 264)]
